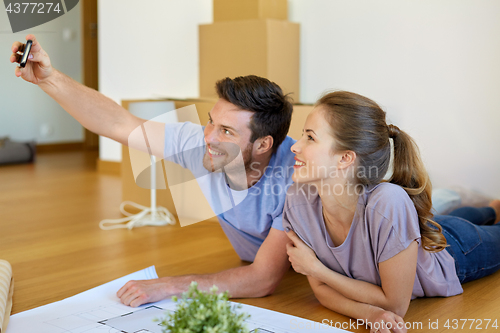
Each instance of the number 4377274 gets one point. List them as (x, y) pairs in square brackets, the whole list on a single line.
[(478, 324), (32, 7)]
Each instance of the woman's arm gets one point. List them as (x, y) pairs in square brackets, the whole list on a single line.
[(397, 275), (378, 319)]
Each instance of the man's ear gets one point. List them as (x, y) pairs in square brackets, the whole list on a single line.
[(263, 145), (347, 159)]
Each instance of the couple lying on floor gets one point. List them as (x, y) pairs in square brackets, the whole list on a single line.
[(367, 244)]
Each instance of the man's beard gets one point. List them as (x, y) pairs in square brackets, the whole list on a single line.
[(230, 162)]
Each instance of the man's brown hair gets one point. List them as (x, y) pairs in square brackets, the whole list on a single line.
[(272, 109)]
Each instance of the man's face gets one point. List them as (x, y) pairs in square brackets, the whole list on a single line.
[(226, 134)]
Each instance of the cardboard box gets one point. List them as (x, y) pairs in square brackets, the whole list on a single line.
[(267, 48), (133, 192), (235, 10)]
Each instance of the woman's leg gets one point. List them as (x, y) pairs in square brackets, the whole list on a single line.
[(475, 248), (480, 216)]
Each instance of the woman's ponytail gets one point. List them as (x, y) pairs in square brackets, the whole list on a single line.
[(409, 172)]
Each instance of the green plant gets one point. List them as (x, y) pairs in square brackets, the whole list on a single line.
[(204, 312)]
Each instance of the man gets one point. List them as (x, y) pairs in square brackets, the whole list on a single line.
[(251, 114)]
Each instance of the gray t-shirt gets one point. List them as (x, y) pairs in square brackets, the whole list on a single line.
[(385, 223)]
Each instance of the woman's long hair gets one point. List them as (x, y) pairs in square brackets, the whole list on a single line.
[(359, 124)]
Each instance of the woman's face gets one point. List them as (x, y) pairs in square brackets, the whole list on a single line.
[(315, 160)]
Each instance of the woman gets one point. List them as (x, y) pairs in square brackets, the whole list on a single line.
[(368, 246)]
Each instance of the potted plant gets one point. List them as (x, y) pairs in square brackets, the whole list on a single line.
[(204, 312)]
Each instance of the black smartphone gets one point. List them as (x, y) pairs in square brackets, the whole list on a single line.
[(27, 49)]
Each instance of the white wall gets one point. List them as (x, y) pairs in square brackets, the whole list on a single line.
[(433, 66), (24, 108), (148, 51)]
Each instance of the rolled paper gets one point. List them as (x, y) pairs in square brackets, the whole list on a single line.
[(6, 291)]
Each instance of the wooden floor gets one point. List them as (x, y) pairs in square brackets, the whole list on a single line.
[(49, 215)]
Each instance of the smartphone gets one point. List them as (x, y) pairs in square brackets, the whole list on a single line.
[(27, 49)]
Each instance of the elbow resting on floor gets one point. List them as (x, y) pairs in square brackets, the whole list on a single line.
[(267, 289)]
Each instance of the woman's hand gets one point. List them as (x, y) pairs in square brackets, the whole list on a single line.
[(302, 257), (382, 321)]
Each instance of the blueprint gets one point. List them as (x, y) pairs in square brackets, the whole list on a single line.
[(98, 310)]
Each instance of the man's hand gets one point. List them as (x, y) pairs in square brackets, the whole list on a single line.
[(38, 67), (135, 293)]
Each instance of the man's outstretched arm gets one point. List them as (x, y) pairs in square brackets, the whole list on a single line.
[(90, 108), (255, 280)]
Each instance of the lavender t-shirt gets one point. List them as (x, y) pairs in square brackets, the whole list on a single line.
[(385, 223)]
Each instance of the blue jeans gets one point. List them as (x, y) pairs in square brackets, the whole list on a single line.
[(473, 241)]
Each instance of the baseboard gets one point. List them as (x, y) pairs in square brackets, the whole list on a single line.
[(59, 147), (109, 167)]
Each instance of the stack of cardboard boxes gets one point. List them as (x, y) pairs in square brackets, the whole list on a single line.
[(250, 37)]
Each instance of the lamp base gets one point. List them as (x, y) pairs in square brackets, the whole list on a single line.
[(152, 216)]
